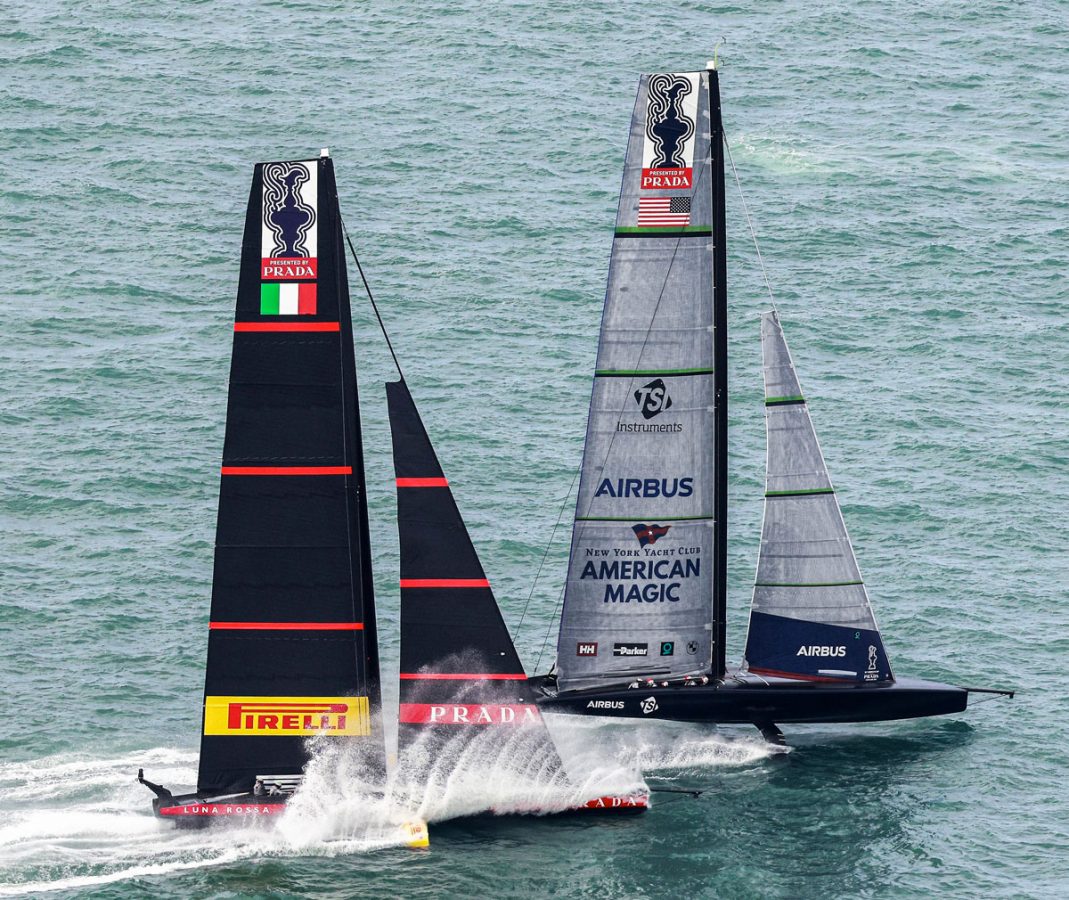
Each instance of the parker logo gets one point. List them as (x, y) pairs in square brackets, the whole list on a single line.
[(468, 714), (582, 649), (286, 716), (288, 237), (649, 534), (630, 649), (653, 399)]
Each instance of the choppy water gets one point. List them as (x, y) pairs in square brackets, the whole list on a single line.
[(907, 170)]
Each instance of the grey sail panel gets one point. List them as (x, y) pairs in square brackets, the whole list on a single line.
[(811, 617), (638, 597)]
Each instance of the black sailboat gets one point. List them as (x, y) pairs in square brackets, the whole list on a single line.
[(464, 696), (643, 628), (292, 649)]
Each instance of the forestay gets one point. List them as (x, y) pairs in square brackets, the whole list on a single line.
[(811, 616), (638, 599)]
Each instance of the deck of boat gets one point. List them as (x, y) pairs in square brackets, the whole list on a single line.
[(755, 699)]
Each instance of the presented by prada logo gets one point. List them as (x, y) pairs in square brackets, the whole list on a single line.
[(286, 716)]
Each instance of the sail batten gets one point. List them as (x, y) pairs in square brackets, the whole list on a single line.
[(810, 615)]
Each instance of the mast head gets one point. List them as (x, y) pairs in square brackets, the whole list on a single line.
[(324, 153)]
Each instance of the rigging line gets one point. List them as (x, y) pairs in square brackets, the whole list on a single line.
[(549, 545), (553, 618), (370, 296), (749, 221)]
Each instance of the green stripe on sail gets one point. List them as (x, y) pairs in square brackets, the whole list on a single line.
[(772, 401), (640, 518), (806, 584), (809, 493), (668, 229), (268, 299), (647, 373)]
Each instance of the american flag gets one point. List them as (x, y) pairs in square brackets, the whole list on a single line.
[(654, 212)]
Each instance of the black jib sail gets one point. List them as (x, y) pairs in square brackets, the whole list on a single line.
[(464, 697), (292, 651), (459, 667)]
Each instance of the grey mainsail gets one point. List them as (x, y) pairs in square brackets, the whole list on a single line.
[(811, 617), (638, 599)]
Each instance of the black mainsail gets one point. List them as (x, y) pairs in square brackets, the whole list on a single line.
[(644, 593), (292, 649)]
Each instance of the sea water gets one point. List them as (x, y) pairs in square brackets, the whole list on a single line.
[(906, 169)]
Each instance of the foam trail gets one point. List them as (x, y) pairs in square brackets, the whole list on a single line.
[(74, 822)]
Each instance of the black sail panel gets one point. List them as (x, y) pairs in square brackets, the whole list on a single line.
[(461, 677), (291, 649)]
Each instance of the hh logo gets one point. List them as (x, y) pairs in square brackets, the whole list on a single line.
[(286, 716), (586, 649), (653, 399)]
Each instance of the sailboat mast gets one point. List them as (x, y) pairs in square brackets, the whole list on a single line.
[(720, 366)]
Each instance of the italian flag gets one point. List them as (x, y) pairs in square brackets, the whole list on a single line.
[(287, 299)]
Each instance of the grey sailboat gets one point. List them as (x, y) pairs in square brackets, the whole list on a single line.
[(643, 627)]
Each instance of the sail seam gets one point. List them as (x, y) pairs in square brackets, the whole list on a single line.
[(804, 584), (801, 493), (648, 373), (632, 518)]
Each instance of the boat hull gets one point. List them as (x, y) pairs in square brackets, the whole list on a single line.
[(750, 700)]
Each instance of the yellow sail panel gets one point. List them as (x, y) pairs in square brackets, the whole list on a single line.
[(287, 716)]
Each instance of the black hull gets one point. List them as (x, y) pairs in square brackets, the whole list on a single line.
[(194, 811), (761, 702)]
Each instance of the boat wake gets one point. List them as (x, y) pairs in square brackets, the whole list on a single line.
[(73, 822)]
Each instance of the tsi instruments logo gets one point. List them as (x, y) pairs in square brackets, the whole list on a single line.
[(630, 649), (586, 649), (649, 705), (652, 400)]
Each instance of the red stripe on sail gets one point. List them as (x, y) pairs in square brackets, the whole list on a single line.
[(286, 626), (286, 470), (422, 482), (287, 326), (444, 583), (456, 676)]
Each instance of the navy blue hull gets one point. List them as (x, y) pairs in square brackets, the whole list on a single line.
[(751, 700)]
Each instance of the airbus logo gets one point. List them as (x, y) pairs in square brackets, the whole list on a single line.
[(605, 704), (814, 650)]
